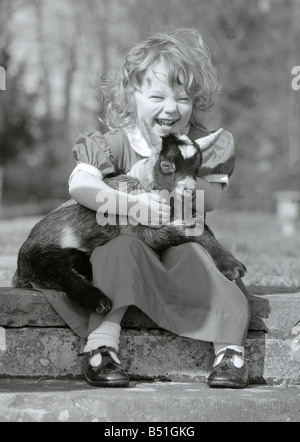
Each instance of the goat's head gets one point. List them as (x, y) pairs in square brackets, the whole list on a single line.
[(177, 165), (179, 161), (174, 163)]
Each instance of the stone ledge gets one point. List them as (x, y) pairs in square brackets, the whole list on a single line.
[(275, 310), (156, 354)]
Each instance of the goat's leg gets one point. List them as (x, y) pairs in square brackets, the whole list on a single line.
[(223, 258), (169, 236), (68, 270)]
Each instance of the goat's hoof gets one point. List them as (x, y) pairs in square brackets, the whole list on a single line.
[(230, 266), (104, 305), (233, 270)]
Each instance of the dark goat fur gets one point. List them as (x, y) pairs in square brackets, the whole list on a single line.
[(44, 260)]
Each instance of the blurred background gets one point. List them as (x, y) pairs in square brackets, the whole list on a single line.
[(54, 52)]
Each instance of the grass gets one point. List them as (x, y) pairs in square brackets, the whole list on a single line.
[(255, 239)]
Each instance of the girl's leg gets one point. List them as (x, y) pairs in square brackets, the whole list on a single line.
[(117, 271), (229, 369), (101, 366), (212, 309), (221, 308), (228, 320), (107, 334)]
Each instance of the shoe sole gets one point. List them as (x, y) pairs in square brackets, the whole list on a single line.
[(109, 384), (228, 384)]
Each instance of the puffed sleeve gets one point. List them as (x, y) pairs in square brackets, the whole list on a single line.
[(93, 154), (219, 160)]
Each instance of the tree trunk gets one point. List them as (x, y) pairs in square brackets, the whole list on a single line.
[(1, 187), (43, 60)]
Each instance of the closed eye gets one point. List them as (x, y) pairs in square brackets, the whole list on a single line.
[(156, 97)]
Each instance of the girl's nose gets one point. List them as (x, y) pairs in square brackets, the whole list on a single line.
[(171, 107)]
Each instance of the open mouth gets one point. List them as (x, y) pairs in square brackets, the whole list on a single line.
[(168, 123)]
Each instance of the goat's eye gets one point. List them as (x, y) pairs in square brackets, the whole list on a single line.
[(167, 167)]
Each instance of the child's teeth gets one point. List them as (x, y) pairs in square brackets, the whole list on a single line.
[(166, 122)]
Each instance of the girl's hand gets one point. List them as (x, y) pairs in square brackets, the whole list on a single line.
[(150, 210)]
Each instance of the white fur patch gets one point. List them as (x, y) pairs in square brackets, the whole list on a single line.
[(187, 184), (189, 149), (69, 239), (138, 168), (184, 138)]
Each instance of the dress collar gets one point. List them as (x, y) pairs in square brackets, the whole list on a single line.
[(139, 144)]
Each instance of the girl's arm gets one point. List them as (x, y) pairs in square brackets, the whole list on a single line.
[(212, 194), (85, 187)]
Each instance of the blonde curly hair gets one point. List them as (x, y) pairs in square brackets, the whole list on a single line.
[(189, 63)]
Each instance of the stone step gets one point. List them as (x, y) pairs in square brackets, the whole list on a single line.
[(275, 310), (53, 353), (37, 343), (184, 404)]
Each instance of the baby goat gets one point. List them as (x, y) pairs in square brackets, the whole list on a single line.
[(46, 258)]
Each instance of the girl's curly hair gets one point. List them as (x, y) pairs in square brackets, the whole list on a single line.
[(189, 62)]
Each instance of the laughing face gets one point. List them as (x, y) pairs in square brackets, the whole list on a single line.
[(166, 109)]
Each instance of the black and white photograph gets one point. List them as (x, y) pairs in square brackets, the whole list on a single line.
[(149, 213)]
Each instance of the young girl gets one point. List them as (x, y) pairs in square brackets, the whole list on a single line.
[(166, 82)]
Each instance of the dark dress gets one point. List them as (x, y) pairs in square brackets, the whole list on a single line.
[(181, 290)]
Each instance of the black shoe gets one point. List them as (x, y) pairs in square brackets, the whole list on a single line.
[(107, 373), (226, 374)]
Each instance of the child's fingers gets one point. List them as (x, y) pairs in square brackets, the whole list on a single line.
[(159, 205), (157, 197), (162, 207), (157, 213), (161, 217)]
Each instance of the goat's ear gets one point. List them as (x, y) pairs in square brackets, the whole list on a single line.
[(154, 141), (205, 142)]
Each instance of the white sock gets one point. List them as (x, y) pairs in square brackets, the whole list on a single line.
[(238, 361), (107, 334)]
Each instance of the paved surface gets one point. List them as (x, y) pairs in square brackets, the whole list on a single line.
[(75, 401)]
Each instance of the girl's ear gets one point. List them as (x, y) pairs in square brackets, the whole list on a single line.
[(130, 104), (205, 142)]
